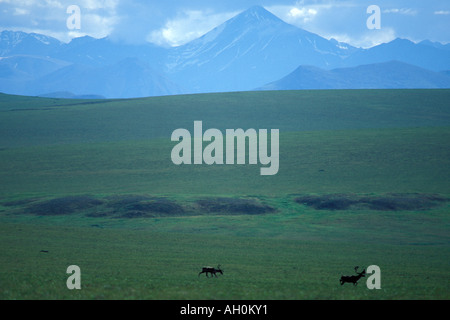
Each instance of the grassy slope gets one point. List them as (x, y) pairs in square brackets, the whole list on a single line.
[(361, 161), (331, 142), (57, 121), (119, 264)]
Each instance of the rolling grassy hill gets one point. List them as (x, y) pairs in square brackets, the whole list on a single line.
[(363, 180), (29, 121)]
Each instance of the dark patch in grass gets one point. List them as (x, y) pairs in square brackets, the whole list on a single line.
[(62, 206), (387, 202), (99, 213), (120, 201), (233, 206), (159, 205), (136, 206), (17, 203), (327, 202)]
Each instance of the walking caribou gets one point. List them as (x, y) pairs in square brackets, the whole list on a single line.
[(353, 279), (211, 270)]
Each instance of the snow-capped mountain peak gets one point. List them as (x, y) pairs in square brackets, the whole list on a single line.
[(18, 42), (255, 44)]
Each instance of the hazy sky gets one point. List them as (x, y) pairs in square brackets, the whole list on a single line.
[(170, 22)]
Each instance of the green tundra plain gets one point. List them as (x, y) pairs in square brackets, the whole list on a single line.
[(363, 180)]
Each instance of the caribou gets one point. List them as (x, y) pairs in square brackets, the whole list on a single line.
[(211, 270), (353, 279)]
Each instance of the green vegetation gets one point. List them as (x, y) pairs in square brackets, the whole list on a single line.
[(363, 180), (147, 264), (359, 161)]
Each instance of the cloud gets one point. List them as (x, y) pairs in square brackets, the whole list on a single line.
[(98, 17), (172, 23), (97, 25), (20, 11), (53, 4), (344, 21), (109, 5), (305, 14), (372, 38), (187, 26), (442, 12), (404, 11)]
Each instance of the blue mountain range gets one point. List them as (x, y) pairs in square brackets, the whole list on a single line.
[(253, 50)]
